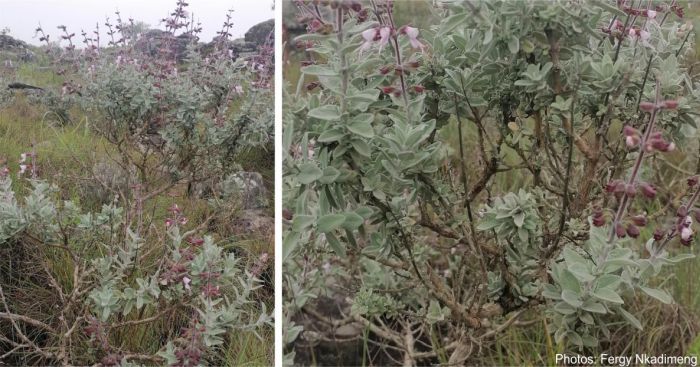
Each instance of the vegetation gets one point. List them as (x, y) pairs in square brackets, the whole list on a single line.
[(509, 164), (132, 230)]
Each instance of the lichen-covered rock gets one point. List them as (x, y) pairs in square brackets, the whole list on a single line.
[(151, 42), (248, 187), (8, 43), (258, 33)]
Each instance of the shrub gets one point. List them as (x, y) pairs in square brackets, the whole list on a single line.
[(574, 105)]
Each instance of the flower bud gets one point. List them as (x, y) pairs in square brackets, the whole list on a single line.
[(658, 234), (632, 230), (630, 190), (620, 231), (670, 104), (611, 186), (413, 64), (647, 190), (646, 106), (630, 131), (388, 90), (682, 211), (639, 220), (692, 181), (598, 221), (311, 86), (598, 217), (418, 88)]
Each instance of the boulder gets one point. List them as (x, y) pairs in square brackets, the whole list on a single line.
[(258, 33), (248, 187)]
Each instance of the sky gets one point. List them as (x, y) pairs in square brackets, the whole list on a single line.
[(23, 16)]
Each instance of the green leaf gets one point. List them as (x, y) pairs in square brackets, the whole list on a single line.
[(364, 211), (301, 222), (435, 312), (680, 257), (569, 281), (571, 298), (330, 222), (308, 173), (581, 272), (361, 147), (331, 135), (573, 257), (327, 112), (318, 70), (658, 294), (352, 221), (362, 125), (514, 44), (606, 294), (335, 245), (488, 36), (519, 219), (290, 242), (630, 318), (594, 307), (330, 174), (608, 281), (586, 318), (564, 308)]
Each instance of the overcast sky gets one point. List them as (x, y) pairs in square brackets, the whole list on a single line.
[(23, 16)]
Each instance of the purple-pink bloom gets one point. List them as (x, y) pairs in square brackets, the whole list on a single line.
[(412, 34)]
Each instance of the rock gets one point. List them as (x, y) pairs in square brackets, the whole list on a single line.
[(248, 187), (151, 41), (258, 33), (8, 43), (254, 221), (350, 330)]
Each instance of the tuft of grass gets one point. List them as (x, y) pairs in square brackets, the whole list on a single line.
[(246, 349)]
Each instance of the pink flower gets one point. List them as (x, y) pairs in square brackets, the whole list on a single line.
[(384, 34), (22, 168), (186, 281), (375, 35), (168, 223), (368, 36), (644, 35), (412, 34), (182, 221), (196, 242), (687, 221), (686, 233), (651, 14), (175, 209), (647, 190), (4, 172)]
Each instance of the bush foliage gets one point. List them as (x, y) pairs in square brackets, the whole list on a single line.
[(513, 158)]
